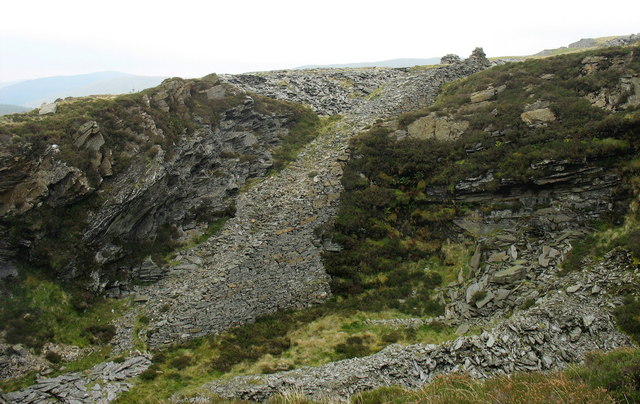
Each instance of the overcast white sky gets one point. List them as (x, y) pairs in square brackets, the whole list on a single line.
[(190, 38)]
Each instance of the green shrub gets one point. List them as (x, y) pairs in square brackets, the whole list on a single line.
[(391, 337), (181, 362), (392, 394), (618, 372), (149, 374), (159, 357), (479, 295), (633, 243), (528, 303), (144, 319), (102, 334), (53, 357), (628, 317), (354, 346), (28, 327)]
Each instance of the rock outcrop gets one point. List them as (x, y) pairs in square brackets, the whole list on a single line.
[(124, 195)]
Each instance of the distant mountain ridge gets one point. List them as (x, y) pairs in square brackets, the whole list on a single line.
[(404, 62), (32, 93), (591, 43), (12, 109)]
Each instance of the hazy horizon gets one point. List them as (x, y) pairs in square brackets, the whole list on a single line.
[(42, 39)]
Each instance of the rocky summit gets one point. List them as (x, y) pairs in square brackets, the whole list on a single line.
[(323, 231)]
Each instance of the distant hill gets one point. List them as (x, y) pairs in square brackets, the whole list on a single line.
[(591, 43), (383, 63), (32, 93), (8, 83), (6, 109)]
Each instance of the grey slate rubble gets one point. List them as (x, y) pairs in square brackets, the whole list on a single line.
[(560, 329), (515, 265), (266, 258), (100, 384), (17, 360)]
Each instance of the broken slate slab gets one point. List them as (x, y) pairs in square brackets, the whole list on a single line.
[(510, 274), (573, 289), (462, 329), (498, 257), (472, 290), (474, 264), (483, 302)]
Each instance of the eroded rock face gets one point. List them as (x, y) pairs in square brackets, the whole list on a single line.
[(45, 180), (197, 175), (538, 117), (625, 94), (435, 127)]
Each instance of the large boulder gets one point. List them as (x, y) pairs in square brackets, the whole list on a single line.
[(538, 117), (486, 95), (47, 109), (510, 275), (435, 127)]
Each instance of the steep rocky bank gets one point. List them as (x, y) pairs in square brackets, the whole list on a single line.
[(143, 172), (515, 174)]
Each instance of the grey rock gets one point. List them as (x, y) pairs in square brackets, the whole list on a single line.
[(573, 289), (216, 93), (47, 109), (510, 275), (462, 329), (472, 290), (588, 320), (474, 263), (501, 294), (498, 257), (483, 302)]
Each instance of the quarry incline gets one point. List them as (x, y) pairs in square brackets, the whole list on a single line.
[(268, 254)]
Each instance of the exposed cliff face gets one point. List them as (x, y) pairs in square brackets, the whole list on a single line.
[(146, 168)]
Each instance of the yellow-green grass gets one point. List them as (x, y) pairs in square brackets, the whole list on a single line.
[(327, 338)]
